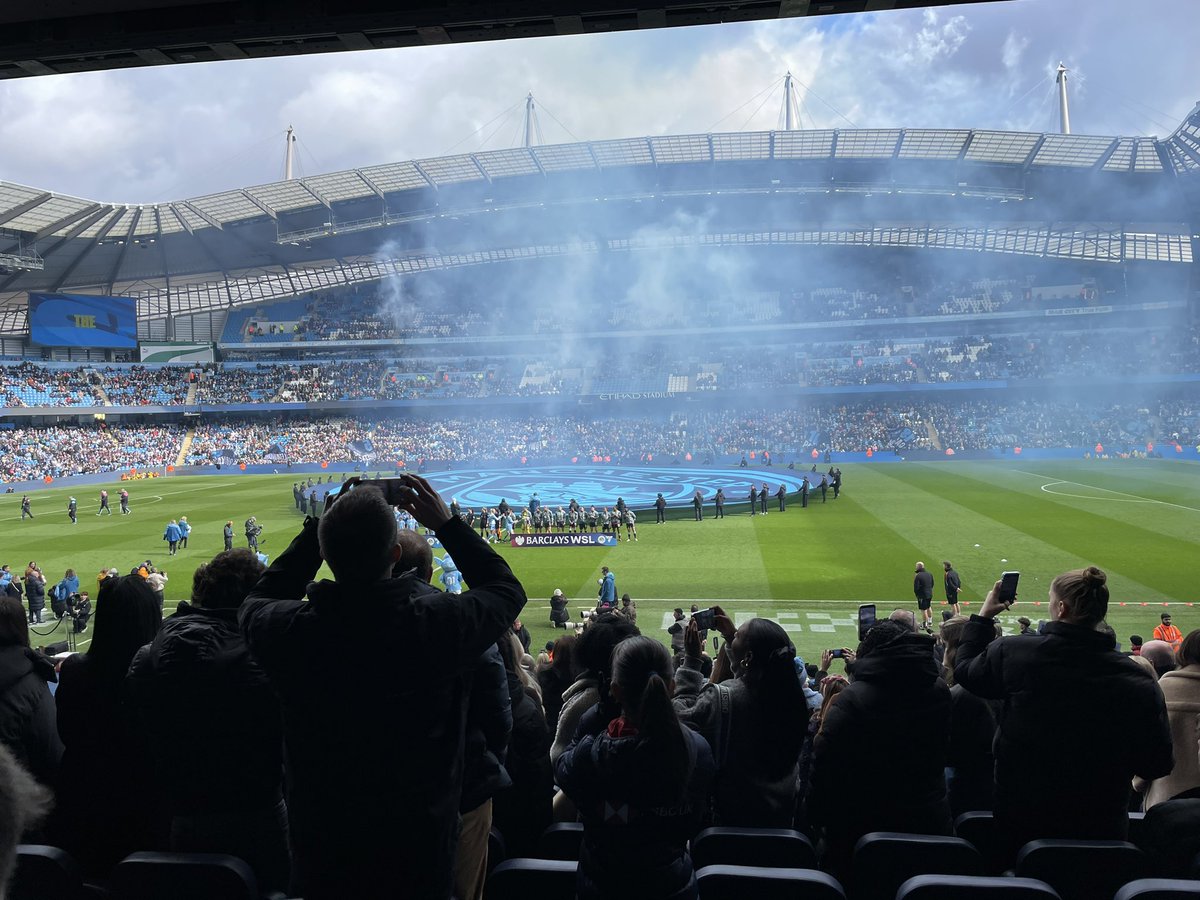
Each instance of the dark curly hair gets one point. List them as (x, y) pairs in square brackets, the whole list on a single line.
[(224, 582)]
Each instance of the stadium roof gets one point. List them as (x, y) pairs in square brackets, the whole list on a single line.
[(60, 36), (221, 249)]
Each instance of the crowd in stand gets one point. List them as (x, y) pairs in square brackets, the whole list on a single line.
[(236, 726), (57, 451), (34, 452), (722, 365)]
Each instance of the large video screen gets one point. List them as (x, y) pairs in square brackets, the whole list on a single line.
[(76, 320)]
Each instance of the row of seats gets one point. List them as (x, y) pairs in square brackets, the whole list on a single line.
[(730, 863)]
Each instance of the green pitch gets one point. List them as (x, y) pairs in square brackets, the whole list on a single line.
[(809, 569)]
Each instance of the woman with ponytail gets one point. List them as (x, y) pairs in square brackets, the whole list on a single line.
[(1090, 718), (754, 716), (640, 782)]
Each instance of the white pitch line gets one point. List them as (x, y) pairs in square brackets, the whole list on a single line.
[(1131, 498)]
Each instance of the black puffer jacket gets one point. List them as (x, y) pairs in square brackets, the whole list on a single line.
[(1068, 697), (897, 709), (27, 714), (214, 724), (634, 836), (35, 593), (489, 723), (522, 812)]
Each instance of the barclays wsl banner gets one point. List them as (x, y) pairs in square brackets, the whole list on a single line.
[(76, 320)]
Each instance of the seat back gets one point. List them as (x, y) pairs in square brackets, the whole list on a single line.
[(884, 860), (521, 879), (1082, 870), (979, 830), (782, 848), (561, 841), (182, 876), (968, 887), (1159, 889), (741, 882), (45, 873)]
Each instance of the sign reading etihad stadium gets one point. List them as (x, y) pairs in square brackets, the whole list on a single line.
[(564, 539)]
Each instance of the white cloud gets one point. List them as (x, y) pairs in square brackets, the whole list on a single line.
[(165, 133)]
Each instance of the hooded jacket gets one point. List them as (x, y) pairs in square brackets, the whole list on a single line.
[(374, 734), (1071, 698), (214, 724), (634, 833), (897, 709), (27, 714)]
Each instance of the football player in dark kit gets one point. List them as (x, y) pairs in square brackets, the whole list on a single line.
[(804, 486), (753, 498), (73, 510), (26, 511)]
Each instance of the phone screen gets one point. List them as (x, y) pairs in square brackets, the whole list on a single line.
[(837, 654), (705, 619), (866, 619), (1008, 587)]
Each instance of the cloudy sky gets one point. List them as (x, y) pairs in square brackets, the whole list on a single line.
[(173, 132)]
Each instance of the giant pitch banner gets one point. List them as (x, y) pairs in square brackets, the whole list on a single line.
[(563, 539)]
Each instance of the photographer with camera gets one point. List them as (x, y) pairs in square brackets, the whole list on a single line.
[(375, 755), (253, 530)]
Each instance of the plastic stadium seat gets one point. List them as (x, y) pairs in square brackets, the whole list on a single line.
[(497, 852), (884, 860), (979, 830), (743, 882), (782, 848), (45, 873), (182, 876), (1136, 819), (1082, 870), (1159, 889), (967, 887), (522, 879), (561, 841)]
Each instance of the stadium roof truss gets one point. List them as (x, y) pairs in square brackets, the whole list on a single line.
[(258, 243)]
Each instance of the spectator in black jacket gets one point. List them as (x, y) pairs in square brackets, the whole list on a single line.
[(1094, 717), (27, 713), (640, 782), (374, 758), (523, 811), (969, 760), (108, 802), (754, 716), (898, 709), (489, 724), (201, 697)]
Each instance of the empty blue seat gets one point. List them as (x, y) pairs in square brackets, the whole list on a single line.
[(522, 879), (1160, 889), (782, 848), (760, 883), (182, 876), (1082, 870), (561, 841), (884, 860), (968, 887), (45, 873)]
